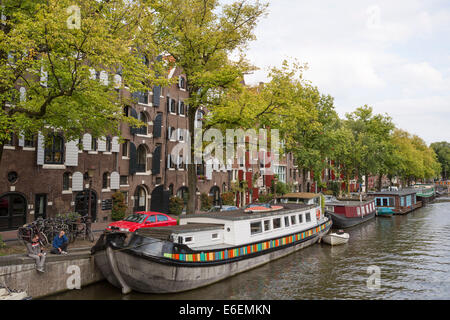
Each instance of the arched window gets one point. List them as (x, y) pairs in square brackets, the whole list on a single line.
[(105, 182), (199, 119), (141, 158), (66, 181), (140, 199)]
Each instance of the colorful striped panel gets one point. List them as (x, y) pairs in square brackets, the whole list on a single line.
[(245, 250)]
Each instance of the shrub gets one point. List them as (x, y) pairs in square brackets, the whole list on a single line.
[(263, 198), (206, 202), (228, 198), (176, 205), (2, 244), (119, 207)]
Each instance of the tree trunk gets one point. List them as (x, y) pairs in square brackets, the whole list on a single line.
[(380, 181)]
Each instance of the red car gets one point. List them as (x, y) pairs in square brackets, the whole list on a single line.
[(142, 220)]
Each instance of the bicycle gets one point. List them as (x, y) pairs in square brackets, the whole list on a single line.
[(28, 231), (82, 230)]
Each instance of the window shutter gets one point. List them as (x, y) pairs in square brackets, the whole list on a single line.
[(156, 161), (115, 146), (117, 81), (104, 78), (40, 149), (23, 94), (77, 181), (157, 126), (209, 169), (115, 181), (133, 130), (87, 141), (156, 96), (21, 140), (101, 144), (133, 159), (71, 154)]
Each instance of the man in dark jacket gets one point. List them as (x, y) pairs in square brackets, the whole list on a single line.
[(36, 252), (60, 243)]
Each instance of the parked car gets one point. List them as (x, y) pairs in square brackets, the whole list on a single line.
[(223, 208), (140, 220)]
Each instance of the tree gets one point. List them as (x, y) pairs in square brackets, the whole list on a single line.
[(200, 35), (119, 206), (68, 61), (442, 150)]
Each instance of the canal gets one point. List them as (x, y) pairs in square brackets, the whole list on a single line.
[(401, 257)]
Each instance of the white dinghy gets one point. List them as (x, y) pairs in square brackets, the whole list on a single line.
[(336, 238)]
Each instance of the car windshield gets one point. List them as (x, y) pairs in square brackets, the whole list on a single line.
[(138, 218)]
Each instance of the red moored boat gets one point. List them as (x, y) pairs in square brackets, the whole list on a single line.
[(346, 214)]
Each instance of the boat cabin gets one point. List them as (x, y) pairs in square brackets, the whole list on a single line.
[(301, 197), (351, 209), (397, 202)]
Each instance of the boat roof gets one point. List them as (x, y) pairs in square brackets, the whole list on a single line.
[(349, 203), (394, 193), (242, 215), (300, 195), (164, 233)]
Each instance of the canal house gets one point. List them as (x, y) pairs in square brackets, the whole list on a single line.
[(396, 202)]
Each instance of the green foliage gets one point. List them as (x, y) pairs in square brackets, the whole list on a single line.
[(206, 202), (281, 188), (264, 198), (228, 198), (71, 215), (119, 206), (442, 150), (176, 205), (2, 243)]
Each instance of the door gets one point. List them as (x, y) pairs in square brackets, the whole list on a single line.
[(160, 200), (162, 221), (40, 206), (150, 222), (82, 203), (13, 211)]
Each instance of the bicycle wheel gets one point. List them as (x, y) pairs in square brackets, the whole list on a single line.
[(43, 238)]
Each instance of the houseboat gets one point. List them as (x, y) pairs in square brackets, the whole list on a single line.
[(425, 192), (206, 248), (346, 214), (396, 202)]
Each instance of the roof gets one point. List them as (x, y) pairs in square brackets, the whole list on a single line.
[(164, 233), (241, 215), (394, 193), (349, 203), (300, 195)]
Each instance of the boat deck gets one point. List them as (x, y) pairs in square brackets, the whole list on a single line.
[(163, 233)]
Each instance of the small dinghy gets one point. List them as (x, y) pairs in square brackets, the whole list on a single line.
[(7, 294), (337, 238)]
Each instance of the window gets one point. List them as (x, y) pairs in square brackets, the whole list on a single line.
[(125, 146), (181, 82), (286, 221), (123, 180), (54, 149), (255, 227), (293, 220), (363, 210), (29, 142), (126, 111), (94, 144), (215, 236), (181, 108), (162, 218), (266, 225), (171, 190), (300, 218), (378, 202), (173, 108), (108, 144), (308, 217), (105, 180), (66, 181), (141, 159), (391, 202), (188, 239), (277, 223), (142, 130), (385, 202), (358, 211), (151, 219)]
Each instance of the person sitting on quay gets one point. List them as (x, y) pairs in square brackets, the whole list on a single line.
[(36, 252), (60, 243)]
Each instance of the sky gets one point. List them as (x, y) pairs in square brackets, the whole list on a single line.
[(391, 55)]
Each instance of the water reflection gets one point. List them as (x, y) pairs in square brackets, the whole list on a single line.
[(412, 252)]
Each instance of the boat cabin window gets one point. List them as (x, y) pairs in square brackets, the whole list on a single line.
[(215, 236), (385, 202), (255, 227), (300, 218), (391, 202), (378, 202), (277, 223), (358, 211), (308, 217), (189, 239), (363, 210), (293, 220), (266, 225), (286, 221)]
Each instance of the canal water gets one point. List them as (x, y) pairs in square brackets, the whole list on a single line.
[(401, 257)]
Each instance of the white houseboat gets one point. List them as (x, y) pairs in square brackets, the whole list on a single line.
[(206, 248)]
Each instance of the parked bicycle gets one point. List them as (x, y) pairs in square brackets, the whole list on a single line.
[(28, 231)]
